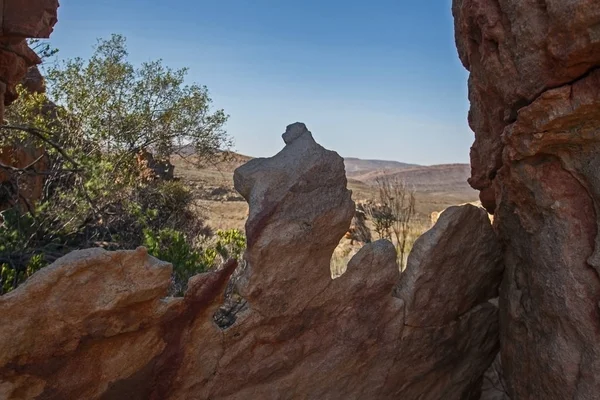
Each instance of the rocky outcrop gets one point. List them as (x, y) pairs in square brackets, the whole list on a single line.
[(21, 19), (516, 50), (97, 324), (21, 176), (33, 81), (29, 18), (453, 267), (152, 169), (549, 197), (535, 99)]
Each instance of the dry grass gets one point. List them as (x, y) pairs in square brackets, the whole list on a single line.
[(219, 203), (344, 252)]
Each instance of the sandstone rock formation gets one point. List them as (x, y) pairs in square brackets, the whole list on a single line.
[(21, 19), (516, 50), (153, 169), (535, 109), (33, 81), (97, 324), (25, 186), (22, 165)]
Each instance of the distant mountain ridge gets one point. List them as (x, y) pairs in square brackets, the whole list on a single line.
[(442, 178), (423, 178), (358, 165), (434, 178)]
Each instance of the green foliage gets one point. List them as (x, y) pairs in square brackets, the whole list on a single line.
[(42, 48), (119, 109), (231, 243), (102, 111), (173, 246), (96, 116), (10, 278), (383, 220), (16, 263)]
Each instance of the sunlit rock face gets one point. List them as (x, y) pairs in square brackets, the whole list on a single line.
[(97, 325), (535, 99)]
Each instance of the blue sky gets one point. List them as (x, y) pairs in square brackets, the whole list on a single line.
[(378, 79)]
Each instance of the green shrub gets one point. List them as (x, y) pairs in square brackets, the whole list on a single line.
[(17, 261), (231, 243), (173, 246), (96, 115)]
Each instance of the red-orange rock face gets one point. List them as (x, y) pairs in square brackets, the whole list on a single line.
[(21, 19), (34, 81), (29, 18), (29, 187), (516, 50), (549, 215), (535, 109)]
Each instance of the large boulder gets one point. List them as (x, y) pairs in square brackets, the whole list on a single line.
[(28, 18), (97, 324), (535, 99), (452, 268)]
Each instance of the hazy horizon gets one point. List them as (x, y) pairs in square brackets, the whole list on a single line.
[(372, 82)]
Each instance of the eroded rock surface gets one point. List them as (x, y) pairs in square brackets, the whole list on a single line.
[(19, 20), (453, 267), (516, 50), (96, 324), (549, 216), (535, 99), (494, 385)]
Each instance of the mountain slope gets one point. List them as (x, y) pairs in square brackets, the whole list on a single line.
[(358, 166), (434, 178)]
